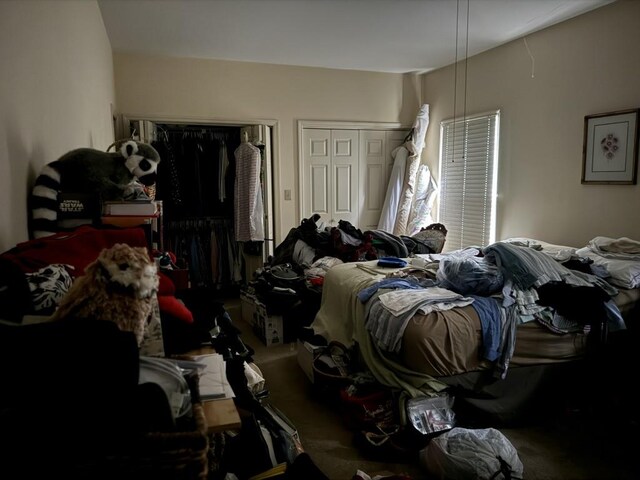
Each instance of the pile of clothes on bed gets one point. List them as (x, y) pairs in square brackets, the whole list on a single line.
[(290, 284), (312, 249)]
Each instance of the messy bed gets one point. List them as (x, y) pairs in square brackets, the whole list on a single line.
[(491, 324)]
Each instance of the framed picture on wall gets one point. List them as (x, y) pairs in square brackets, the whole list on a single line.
[(610, 149)]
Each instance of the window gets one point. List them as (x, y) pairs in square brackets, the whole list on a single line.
[(468, 178)]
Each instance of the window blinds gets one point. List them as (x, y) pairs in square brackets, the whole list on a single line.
[(468, 175)]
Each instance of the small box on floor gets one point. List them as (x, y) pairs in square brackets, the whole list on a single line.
[(268, 328), (248, 307)]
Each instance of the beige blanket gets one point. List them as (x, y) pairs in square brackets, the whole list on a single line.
[(341, 318)]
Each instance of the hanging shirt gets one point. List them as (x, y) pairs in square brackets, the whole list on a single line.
[(248, 208), (223, 164)]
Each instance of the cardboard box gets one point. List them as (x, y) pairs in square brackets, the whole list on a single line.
[(268, 328), (248, 307), (306, 352)]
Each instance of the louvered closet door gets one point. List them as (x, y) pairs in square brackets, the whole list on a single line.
[(330, 159)]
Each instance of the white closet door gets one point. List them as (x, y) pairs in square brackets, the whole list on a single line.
[(330, 162), (373, 177), (316, 153), (345, 201)]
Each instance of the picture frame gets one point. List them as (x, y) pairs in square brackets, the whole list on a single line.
[(610, 148)]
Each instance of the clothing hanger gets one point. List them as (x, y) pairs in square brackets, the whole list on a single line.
[(163, 132)]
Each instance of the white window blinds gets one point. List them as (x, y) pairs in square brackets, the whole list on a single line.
[(468, 177)]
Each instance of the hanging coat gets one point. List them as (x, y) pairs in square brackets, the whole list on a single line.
[(248, 207)]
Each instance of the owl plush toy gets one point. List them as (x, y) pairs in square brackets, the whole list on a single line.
[(120, 286), (100, 175)]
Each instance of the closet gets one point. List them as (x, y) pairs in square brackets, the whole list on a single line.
[(196, 184), (345, 172)]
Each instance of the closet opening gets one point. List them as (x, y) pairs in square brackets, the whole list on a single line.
[(199, 181)]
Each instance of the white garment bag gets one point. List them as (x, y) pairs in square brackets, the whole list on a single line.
[(394, 189), (414, 145), (425, 195), (398, 216)]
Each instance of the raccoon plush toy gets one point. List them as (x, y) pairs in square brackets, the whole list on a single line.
[(102, 175)]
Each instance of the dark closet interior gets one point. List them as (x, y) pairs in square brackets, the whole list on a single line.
[(196, 185)]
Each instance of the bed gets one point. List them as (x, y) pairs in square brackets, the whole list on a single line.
[(448, 350)]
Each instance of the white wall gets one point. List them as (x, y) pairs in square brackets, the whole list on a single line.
[(56, 92), (210, 89), (57, 88), (585, 66)]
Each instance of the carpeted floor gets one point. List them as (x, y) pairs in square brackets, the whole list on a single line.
[(598, 446)]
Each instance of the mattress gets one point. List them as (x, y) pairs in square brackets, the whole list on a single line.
[(448, 343), (437, 345)]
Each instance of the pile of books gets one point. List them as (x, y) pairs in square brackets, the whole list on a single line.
[(130, 209), (136, 213)]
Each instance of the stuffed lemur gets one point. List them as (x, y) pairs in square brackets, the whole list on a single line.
[(107, 175)]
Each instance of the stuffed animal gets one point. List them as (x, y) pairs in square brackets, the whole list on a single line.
[(101, 175), (119, 286)]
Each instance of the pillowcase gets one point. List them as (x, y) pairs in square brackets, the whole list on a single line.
[(48, 285), (624, 273), (621, 248), (561, 253)]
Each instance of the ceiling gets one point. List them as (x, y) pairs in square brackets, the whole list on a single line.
[(396, 36)]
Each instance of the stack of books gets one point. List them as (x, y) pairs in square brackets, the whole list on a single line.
[(129, 213), (135, 213), (143, 207)]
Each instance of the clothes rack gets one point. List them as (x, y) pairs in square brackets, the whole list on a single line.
[(196, 183)]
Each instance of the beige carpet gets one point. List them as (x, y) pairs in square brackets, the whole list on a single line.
[(567, 448)]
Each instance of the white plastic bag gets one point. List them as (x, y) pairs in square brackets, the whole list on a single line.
[(476, 454)]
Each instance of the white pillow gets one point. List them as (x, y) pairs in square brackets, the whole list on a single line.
[(621, 248), (560, 253), (624, 273)]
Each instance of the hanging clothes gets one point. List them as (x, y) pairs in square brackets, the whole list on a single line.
[(198, 194), (212, 255), (223, 164), (199, 178), (248, 207), (425, 195), (414, 145), (168, 182), (394, 189)]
